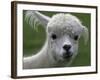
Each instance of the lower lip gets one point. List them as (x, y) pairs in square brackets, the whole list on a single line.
[(66, 57)]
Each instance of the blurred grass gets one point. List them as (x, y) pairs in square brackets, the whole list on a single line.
[(33, 40)]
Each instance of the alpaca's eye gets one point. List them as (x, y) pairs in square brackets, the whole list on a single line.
[(76, 37), (53, 36)]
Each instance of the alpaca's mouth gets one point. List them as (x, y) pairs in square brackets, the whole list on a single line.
[(67, 55)]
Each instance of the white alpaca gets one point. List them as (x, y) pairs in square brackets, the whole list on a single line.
[(61, 46)]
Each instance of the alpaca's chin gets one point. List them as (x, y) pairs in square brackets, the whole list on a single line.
[(65, 58)]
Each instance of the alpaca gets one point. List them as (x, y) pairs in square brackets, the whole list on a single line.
[(61, 46)]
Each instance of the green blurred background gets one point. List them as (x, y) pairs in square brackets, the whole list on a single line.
[(33, 40)]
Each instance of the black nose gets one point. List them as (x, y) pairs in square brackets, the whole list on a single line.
[(66, 47)]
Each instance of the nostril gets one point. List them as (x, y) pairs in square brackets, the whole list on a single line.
[(66, 47)]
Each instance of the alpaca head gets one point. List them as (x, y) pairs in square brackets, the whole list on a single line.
[(63, 33)]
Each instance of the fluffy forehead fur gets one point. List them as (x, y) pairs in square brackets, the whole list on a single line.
[(65, 22)]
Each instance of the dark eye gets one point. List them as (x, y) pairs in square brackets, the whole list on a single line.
[(76, 37), (53, 36)]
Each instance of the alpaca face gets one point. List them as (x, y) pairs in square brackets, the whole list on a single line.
[(64, 32)]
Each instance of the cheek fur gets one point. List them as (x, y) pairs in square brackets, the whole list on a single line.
[(75, 48)]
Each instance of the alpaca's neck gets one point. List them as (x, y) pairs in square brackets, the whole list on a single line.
[(45, 57), (40, 60)]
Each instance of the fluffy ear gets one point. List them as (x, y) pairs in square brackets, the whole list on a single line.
[(35, 17), (85, 34)]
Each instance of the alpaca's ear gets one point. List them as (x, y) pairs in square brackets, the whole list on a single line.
[(35, 17), (85, 34)]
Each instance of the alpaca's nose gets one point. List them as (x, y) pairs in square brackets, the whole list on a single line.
[(67, 47)]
